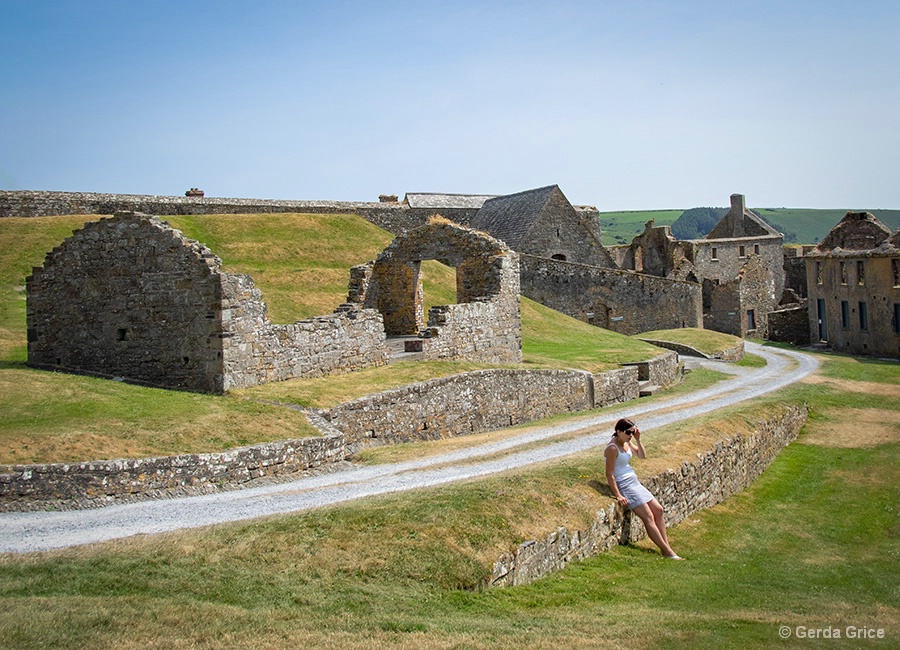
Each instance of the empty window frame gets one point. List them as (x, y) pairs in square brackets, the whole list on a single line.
[(845, 314), (742, 251), (714, 254), (843, 272), (860, 273), (751, 320), (863, 317), (756, 249), (896, 321)]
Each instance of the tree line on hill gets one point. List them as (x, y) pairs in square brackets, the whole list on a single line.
[(697, 223)]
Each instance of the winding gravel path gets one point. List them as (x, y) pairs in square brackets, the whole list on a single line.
[(23, 532)]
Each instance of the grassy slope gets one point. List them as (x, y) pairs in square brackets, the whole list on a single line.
[(301, 263), (811, 544)]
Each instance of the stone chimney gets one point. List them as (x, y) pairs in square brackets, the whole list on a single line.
[(738, 204)]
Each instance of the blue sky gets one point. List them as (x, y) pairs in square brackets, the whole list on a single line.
[(625, 105)]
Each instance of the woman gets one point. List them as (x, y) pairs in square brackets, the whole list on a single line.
[(626, 487)]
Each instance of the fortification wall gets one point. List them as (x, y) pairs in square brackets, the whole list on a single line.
[(396, 218), (622, 301), (729, 467), (256, 351), (457, 405)]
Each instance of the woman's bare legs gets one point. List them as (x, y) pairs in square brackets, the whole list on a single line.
[(651, 513)]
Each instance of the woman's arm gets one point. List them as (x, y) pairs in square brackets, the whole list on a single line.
[(636, 446), (610, 455)]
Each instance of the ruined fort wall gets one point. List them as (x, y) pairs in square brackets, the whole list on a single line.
[(131, 297), (449, 406), (128, 297), (622, 301)]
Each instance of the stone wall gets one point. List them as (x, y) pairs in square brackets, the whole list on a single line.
[(462, 404), (450, 406), (622, 301), (131, 297), (731, 466), (662, 370), (101, 482), (790, 324), (485, 324)]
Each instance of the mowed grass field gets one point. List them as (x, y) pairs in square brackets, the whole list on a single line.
[(810, 546)]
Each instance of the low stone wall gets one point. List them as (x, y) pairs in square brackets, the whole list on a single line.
[(462, 404), (731, 466), (790, 324), (616, 386), (104, 481), (659, 371), (734, 353), (449, 406)]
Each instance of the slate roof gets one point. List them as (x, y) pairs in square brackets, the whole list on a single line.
[(509, 217), (437, 201)]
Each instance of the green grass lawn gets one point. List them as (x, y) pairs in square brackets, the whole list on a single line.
[(301, 263), (811, 545)]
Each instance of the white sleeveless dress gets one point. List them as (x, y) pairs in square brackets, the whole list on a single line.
[(629, 485)]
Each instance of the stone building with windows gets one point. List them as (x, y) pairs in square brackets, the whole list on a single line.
[(853, 283)]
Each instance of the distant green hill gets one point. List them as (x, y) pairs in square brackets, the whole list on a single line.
[(799, 225)]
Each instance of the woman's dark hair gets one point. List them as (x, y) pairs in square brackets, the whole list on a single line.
[(624, 424)]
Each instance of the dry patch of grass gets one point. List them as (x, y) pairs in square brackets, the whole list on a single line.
[(854, 429), (891, 391)]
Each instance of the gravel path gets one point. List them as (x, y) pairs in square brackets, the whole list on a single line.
[(23, 532)]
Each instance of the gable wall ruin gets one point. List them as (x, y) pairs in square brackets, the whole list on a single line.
[(131, 297)]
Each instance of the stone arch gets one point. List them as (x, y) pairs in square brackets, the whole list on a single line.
[(484, 324)]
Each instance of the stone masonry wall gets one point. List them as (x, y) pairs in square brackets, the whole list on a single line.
[(461, 404), (622, 301), (255, 351), (131, 297), (485, 323), (456, 405), (731, 466)]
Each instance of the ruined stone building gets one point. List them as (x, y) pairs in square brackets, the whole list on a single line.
[(542, 222), (131, 297), (739, 265), (853, 282), (484, 325)]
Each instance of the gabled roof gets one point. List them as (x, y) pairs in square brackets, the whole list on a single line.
[(856, 231), (430, 200), (509, 217), (741, 222)]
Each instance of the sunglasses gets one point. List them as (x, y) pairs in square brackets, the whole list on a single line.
[(629, 432)]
